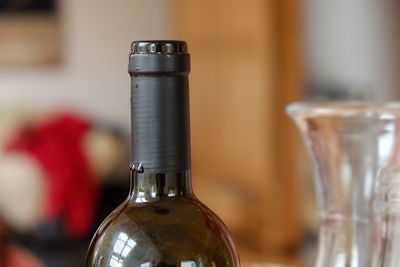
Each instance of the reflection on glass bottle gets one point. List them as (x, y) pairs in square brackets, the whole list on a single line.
[(387, 214), (122, 246), (162, 223)]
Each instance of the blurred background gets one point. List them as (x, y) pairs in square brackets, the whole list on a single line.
[(65, 116)]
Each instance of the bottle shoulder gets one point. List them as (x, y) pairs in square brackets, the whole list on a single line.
[(170, 231)]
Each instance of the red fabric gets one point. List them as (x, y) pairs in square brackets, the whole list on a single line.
[(18, 257), (57, 146)]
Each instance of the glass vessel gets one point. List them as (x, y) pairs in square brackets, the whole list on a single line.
[(387, 216), (162, 223), (348, 143)]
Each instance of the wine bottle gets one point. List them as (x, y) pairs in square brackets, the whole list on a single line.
[(161, 223)]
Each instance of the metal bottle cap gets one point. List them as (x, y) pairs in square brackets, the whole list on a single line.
[(159, 47), (160, 106), (159, 57)]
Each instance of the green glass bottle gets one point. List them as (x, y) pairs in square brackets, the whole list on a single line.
[(161, 223)]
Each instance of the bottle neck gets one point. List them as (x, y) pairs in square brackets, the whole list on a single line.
[(150, 187), (160, 147), (160, 123)]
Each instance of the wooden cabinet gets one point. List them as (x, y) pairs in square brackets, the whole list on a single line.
[(244, 71)]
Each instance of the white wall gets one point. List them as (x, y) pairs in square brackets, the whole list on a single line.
[(348, 43), (95, 37)]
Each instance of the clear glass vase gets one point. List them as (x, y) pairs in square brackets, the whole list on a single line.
[(348, 143), (387, 218)]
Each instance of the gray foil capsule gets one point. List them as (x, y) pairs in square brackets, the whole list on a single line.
[(160, 106)]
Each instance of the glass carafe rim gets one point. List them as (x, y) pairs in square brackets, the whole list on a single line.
[(343, 108)]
